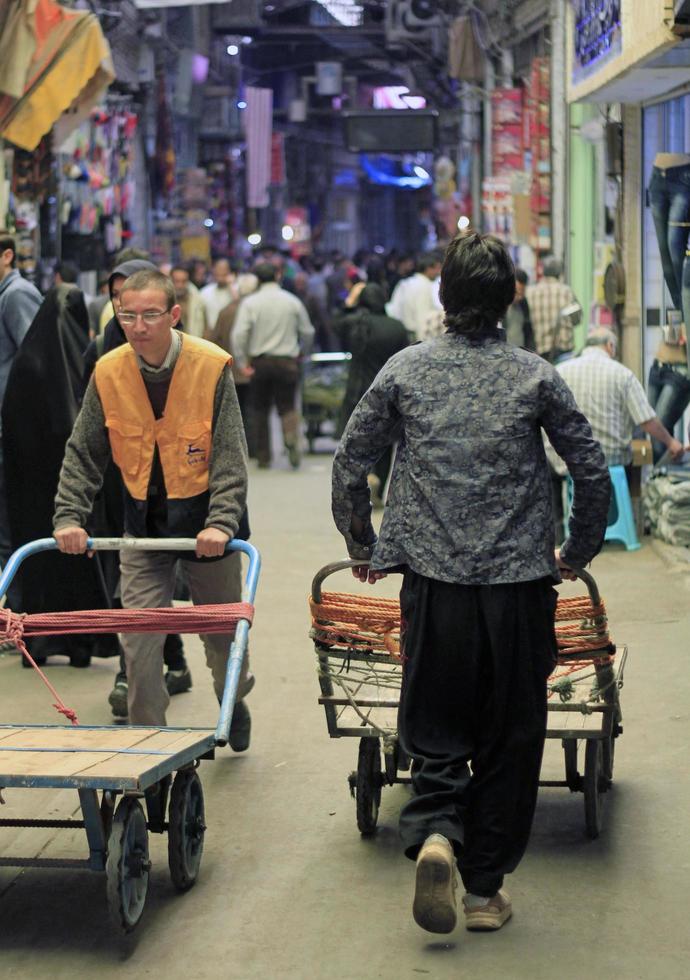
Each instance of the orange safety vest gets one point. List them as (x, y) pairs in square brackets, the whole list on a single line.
[(183, 434)]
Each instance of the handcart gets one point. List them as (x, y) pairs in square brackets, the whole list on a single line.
[(357, 643), (323, 389), (134, 764)]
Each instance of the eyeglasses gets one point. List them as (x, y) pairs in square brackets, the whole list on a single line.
[(150, 317)]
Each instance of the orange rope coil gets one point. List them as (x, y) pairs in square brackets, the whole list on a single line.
[(349, 620)]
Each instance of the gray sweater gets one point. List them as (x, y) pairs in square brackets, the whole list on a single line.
[(88, 452)]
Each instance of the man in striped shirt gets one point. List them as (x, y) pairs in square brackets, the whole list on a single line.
[(553, 335), (612, 399)]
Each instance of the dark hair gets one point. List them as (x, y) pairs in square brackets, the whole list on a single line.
[(521, 276), (477, 284), (7, 242), (180, 268), (130, 253), (427, 260), (150, 279), (265, 272), (67, 271)]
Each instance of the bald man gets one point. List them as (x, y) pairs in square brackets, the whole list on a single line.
[(612, 399)]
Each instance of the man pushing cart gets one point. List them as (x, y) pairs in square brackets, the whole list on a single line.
[(468, 522), (164, 408)]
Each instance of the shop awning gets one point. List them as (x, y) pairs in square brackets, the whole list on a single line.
[(53, 61)]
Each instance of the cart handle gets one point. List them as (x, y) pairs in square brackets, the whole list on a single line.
[(337, 566), (137, 544), (239, 644)]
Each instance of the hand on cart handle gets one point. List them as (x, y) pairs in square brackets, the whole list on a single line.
[(72, 540), (211, 543), (566, 571), (366, 574)]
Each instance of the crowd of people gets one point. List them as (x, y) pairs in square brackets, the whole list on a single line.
[(135, 413)]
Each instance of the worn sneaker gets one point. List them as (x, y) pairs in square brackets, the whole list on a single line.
[(489, 917), (178, 681), (240, 728), (434, 906), (294, 455), (117, 699)]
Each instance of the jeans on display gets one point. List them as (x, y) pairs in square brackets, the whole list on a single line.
[(668, 391), (669, 199)]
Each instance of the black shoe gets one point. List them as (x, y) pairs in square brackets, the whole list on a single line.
[(240, 728), (80, 658), (117, 699), (39, 661), (178, 681)]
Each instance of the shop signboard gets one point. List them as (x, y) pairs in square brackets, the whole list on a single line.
[(597, 35)]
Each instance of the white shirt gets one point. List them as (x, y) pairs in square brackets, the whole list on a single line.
[(271, 321), (215, 299), (413, 300)]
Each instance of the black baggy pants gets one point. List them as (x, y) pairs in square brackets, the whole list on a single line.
[(476, 659)]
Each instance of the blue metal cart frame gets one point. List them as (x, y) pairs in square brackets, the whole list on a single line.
[(117, 836)]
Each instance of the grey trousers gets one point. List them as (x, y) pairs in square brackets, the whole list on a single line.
[(148, 581)]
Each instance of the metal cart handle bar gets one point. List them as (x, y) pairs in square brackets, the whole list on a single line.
[(337, 566), (239, 644)]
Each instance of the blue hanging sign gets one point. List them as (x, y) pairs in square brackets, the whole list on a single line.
[(597, 35)]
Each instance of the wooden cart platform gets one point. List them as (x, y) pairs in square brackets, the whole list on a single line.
[(124, 759)]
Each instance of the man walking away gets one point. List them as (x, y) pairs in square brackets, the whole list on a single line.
[(271, 332), (19, 304), (552, 335), (468, 522), (415, 298)]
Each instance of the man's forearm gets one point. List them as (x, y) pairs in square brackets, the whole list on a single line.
[(228, 470), (657, 430)]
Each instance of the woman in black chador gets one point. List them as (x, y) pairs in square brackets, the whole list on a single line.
[(40, 406)]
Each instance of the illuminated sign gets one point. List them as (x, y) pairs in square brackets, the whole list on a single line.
[(596, 35)]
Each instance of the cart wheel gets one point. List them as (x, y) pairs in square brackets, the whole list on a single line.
[(594, 785), (368, 789), (572, 776), (186, 829), (127, 867)]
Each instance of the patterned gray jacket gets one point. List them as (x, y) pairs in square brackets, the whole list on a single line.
[(469, 500)]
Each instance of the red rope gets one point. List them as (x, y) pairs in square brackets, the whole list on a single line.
[(179, 619), (14, 630)]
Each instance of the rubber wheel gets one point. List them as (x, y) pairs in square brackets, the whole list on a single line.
[(368, 788), (594, 785), (127, 866), (186, 828)]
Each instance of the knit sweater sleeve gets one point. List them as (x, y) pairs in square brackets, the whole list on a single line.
[(86, 456), (228, 469)]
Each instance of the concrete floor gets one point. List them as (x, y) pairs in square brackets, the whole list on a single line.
[(289, 890)]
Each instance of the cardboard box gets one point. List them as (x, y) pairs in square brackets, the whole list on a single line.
[(642, 452)]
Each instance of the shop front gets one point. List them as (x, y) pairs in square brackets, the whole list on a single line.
[(631, 62)]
